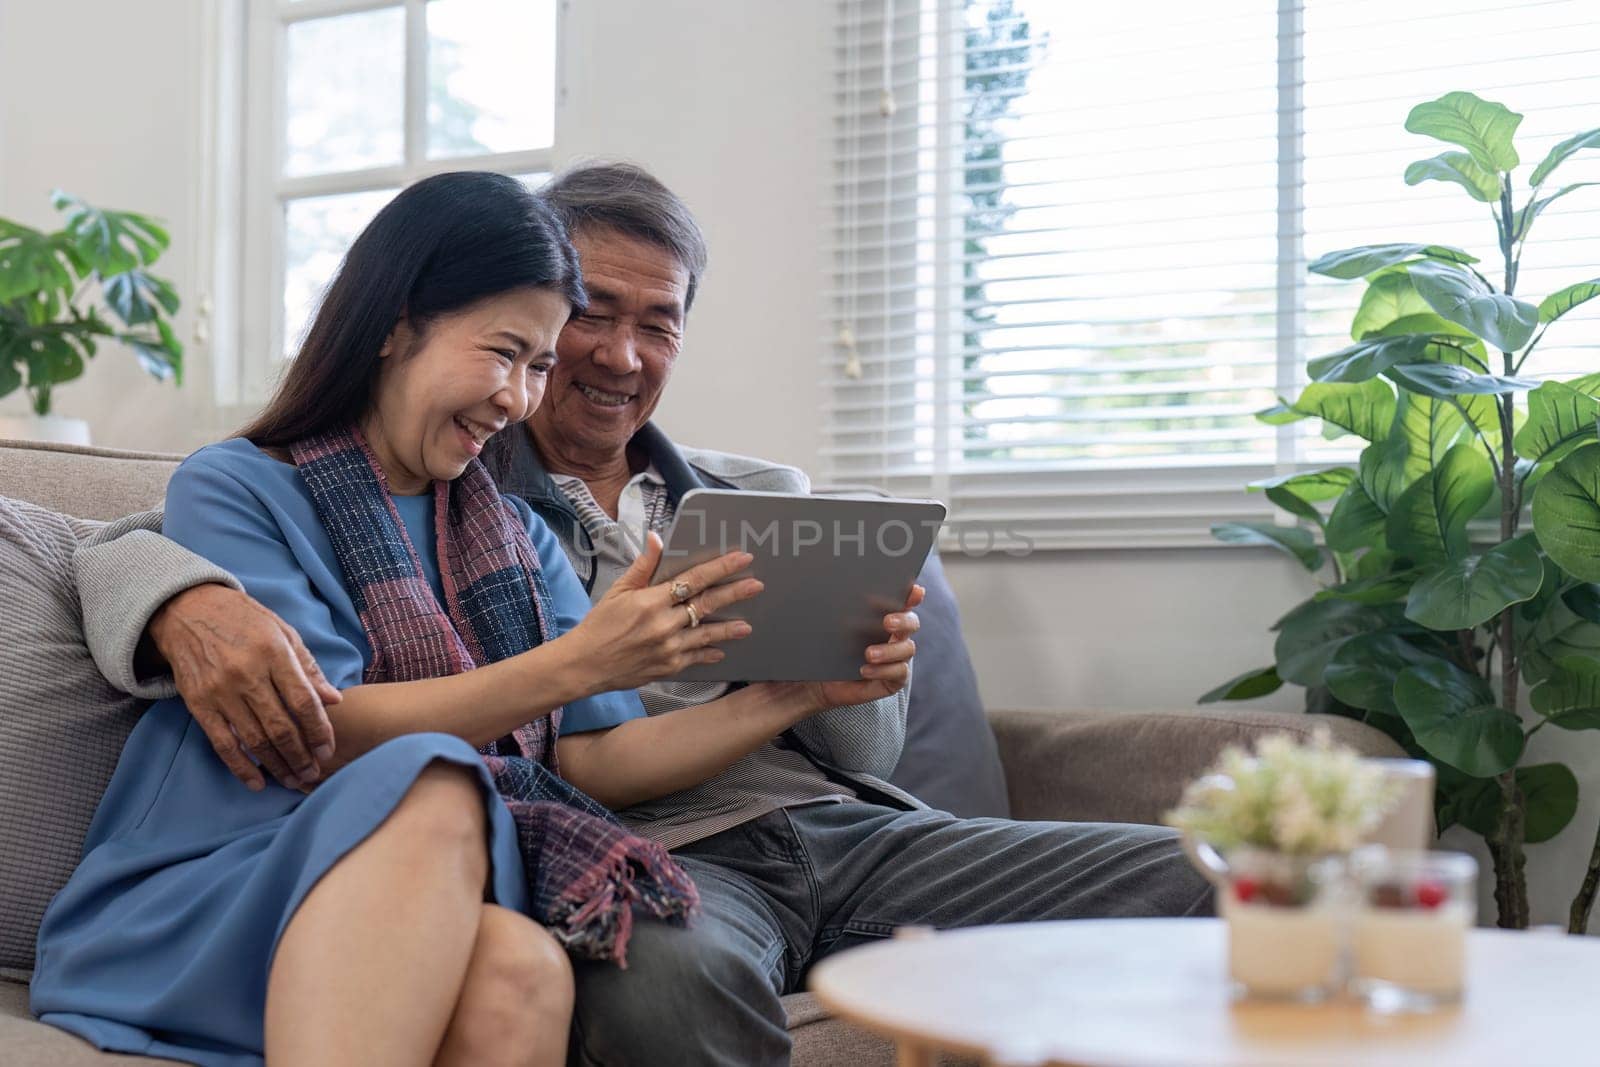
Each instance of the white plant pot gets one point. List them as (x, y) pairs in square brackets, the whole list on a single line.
[(54, 429)]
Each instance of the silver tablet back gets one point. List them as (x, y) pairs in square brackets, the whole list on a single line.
[(832, 567)]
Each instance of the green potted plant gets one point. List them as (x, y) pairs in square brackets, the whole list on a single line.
[(63, 293), (1444, 620)]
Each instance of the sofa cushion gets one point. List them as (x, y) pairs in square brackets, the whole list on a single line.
[(91, 483), (950, 761), (1132, 766), (62, 725)]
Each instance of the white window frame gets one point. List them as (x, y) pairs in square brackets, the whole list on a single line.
[(250, 194)]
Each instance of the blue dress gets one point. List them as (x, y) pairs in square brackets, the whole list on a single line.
[(162, 940)]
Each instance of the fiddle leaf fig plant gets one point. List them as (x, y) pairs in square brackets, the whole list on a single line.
[(1440, 605), (63, 293)]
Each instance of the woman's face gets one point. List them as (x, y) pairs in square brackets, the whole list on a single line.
[(442, 394)]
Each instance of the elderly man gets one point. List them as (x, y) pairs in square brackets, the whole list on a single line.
[(801, 847)]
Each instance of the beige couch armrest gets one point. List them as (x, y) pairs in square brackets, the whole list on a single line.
[(1131, 766)]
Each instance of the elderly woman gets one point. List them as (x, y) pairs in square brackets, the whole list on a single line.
[(417, 906)]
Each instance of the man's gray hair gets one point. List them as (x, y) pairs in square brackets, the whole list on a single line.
[(629, 199)]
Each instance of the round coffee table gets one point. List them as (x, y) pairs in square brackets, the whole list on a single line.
[(1120, 992)]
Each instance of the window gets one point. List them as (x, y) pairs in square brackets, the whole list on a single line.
[(1069, 248), (349, 101)]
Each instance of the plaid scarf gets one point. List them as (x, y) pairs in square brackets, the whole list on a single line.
[(586, 874)]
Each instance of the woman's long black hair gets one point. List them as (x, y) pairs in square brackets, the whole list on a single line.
[(439, 246)]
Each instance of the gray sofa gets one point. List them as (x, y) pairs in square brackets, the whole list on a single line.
[(1072, 765)]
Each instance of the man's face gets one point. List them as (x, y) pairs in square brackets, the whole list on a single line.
[(616, 357)]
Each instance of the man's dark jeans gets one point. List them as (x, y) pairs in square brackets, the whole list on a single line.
[(787, 889)]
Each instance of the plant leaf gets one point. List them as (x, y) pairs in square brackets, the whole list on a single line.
[(1559, 303), (1426, 428), (1573, 686), (1560, 420), (1560, 153), (1445, 380), (1556, 633), (1453, 716), (1388, 297), (1298, 493), (1483, 128), (10, 377), (1294, 540), (112, 242), (1365, 409), (1362, 673), (1317, 485), (1376, 589), (1303, 509), (1549, 793), (1471, 591), (1369, 358), (1583, 601), (1391, 306), (1382, 471), (33, 263), (51, 360), (1460, 168), (136, 295), (1566, 513), (1429, 521), (1356, 522), (1280, 414), (1250, 684), (1348, 263), (156, 360), (1309, 635), (1577, 719), (1460, 296)]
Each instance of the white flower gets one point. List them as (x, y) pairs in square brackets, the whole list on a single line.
[(1304, 798)]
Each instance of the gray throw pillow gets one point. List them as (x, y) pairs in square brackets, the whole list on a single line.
[(62, 725), (950, 761)]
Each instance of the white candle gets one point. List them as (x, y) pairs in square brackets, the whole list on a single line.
[(1281, 952), (1421, 950)]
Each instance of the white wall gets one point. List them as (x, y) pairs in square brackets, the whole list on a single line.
[(129, 139), (725, 100)]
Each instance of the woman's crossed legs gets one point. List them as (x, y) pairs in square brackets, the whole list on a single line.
[(432, 974)]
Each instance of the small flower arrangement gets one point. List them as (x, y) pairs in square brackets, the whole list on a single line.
[(1300, 799)]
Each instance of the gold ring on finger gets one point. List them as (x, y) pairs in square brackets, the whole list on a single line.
[(681, 592), (694, 615)]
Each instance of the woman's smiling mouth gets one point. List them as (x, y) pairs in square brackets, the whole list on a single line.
[(474, 434)]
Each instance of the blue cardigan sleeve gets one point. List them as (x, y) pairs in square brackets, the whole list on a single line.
[(214, 514), (603, 710)]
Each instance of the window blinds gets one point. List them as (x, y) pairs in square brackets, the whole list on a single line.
[(1067, 252)]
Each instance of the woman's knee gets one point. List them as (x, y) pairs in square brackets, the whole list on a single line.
[(522, 967)]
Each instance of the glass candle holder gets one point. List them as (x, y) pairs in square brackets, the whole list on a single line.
[(1284, 924), (1409, 929)]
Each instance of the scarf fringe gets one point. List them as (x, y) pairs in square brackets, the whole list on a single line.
[(593, 916)]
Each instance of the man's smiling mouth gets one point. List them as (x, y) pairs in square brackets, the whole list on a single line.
[(601, 397)]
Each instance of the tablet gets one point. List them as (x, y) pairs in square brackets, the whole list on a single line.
[(833, 567)]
